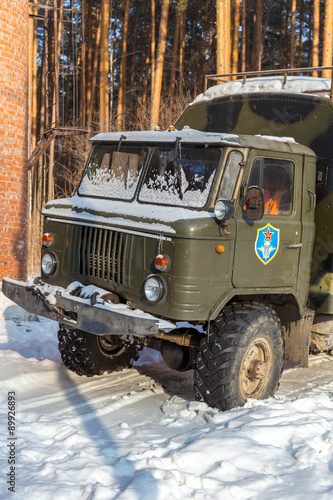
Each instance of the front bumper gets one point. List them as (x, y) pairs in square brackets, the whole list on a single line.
[(87, 312)]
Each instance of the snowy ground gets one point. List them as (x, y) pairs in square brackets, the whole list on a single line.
[(139, 434)]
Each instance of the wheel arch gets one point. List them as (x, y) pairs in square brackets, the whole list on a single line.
[(296, 321)]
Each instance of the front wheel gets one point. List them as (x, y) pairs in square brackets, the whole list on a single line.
[(87, 354), (241, 357)]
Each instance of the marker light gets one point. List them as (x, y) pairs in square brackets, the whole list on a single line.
[(161, 262), (171, 128), (47, 240), (220, 248)]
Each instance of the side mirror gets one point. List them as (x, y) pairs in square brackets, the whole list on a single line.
[(224, 210), (254, 203)]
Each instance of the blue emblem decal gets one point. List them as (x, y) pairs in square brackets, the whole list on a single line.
[(267, 243)]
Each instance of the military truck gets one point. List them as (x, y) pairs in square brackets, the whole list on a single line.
[(210, 242)]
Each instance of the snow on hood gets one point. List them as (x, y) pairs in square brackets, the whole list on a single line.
[(294, 84), (117, 212), (186, 135)]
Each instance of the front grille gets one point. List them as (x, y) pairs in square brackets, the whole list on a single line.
[(102, 254)]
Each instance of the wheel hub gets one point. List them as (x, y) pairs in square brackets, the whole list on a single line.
[(255, 369), (109, 346)]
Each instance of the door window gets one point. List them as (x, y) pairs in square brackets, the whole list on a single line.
[(276, 179)]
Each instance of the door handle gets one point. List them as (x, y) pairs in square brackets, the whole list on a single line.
[(313, 205), (295, 245)]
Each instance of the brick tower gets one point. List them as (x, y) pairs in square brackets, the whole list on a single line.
[(13, 138)]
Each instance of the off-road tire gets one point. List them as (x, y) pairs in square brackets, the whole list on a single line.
[(87, 354), (241, 356)]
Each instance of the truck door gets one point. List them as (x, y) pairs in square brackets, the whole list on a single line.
[(267, 251)]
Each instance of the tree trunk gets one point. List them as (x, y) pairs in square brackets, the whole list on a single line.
[(204, 49), (152, 48), (220, 50), (281, 35), (228, 38), (300, 36), (144, 48), (112, 60), (292, 34), (223, 32), (94, 73), (175, 45), (244, 30), (211, 40), (159, 63), (147, 61), (315, 43), (123, 67), (104, 67), (235, 41), (89, 59), (182, 36), (132, 88), (257, 46), (328, 38), (83, 67), (266, 25)]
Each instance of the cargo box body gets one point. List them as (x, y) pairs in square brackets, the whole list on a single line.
[(266, 107)]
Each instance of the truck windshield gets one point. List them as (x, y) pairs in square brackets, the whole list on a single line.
[(182, 178), (113, 174)]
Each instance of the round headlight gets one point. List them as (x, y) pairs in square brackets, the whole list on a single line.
[(154, 289), (49, 264), (223, 210)]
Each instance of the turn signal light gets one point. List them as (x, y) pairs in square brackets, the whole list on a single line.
[(47, 240), (220, 248), (161, 262)]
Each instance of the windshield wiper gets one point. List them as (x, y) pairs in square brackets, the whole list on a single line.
[(122, 137)]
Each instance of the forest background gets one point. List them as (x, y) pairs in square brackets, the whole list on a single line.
[(108, 65)]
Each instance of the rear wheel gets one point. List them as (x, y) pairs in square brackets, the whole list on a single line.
[(87, 354), (241, 357)]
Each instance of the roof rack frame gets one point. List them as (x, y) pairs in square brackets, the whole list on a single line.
[(225, 77)]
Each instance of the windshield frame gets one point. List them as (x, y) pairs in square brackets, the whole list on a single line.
[(150, 148)]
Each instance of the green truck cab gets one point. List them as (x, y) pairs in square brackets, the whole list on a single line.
[(210, 242)]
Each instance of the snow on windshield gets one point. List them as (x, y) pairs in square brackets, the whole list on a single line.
[(181, 178), (113, 174)]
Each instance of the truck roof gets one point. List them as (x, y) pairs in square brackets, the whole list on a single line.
[(192, 136), (267, 107)]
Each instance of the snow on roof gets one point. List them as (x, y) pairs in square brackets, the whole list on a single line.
[(294, 84), (187, 135)]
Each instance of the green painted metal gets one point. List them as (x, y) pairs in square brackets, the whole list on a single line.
[(308, 119), (199, 280)]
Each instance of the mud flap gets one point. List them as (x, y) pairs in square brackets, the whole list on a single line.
[(297, 333)]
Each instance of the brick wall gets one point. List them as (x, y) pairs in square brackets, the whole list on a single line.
[(13, 138)]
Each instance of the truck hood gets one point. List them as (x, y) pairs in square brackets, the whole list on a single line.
[(134, 216)]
